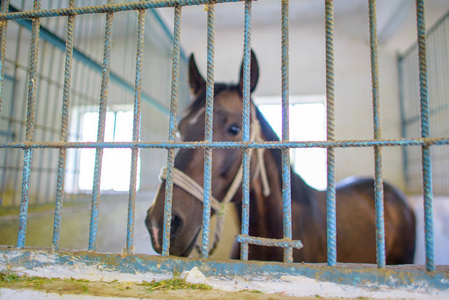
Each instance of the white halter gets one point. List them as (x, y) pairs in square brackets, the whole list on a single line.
[(191, 186)]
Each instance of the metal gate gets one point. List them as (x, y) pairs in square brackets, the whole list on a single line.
[(128, 263)]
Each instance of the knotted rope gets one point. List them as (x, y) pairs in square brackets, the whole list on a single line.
[(183, 181)]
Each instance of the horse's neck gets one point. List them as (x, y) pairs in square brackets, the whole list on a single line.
[(266, 212)]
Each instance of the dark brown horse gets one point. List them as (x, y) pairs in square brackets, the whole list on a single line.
[(356, 231)]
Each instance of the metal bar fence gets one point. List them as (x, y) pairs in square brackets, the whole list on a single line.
[(425, 141), (50, 81)]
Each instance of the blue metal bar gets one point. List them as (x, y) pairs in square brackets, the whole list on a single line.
[(101, 131), (246, 129), (109, 8), (234, 145), (286, 181), (425, 133), (64, 129), (56, 41), (331, 184), (3, 31), (31, 110), (378, 183), (172, 132), (136, 132), (208, 129), (284, 243), (166, 30)]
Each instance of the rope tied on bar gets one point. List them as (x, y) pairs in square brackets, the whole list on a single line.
[(183, 181)]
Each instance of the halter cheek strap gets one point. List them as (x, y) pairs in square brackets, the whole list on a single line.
[(183, 181)]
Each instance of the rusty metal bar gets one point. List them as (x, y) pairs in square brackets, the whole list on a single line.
[(109, 8), (31, 110), (246, 129), (378, 182), (331, 182), (136, 132), (208, 132), (425, 133), (286, 180), (172, 131), (64, 129), (101, 130), (240, 145)]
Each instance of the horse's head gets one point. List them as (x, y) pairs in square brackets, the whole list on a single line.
[(187, 209)]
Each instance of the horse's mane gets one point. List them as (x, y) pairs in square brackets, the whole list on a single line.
[(301, 192)]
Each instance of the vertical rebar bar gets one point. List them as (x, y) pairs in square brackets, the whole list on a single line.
[(286, 181), (64, 128), (3, 32), (101, 130), (246, 128), (172, 131), (425, 133), (331, 201), (136, 132), (31, 109), (208, 133), (378, 184)]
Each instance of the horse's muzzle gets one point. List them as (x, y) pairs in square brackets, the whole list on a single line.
[(156, 230)]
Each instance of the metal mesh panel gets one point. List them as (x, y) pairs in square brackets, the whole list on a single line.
[(438, 67)]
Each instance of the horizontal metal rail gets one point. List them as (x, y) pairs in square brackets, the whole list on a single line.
[(284, 243), (233, 145), (109, 8)]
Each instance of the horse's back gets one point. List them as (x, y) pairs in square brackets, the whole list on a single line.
[(356, 234)]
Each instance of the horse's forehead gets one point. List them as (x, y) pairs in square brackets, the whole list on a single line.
[(229, 101)]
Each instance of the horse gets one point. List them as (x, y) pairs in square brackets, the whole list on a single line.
[(355, 207)]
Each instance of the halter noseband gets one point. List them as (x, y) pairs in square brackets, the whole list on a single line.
[(183, 181)]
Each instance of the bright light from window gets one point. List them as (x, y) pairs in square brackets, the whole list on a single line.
[(307, 123), (116, 167)]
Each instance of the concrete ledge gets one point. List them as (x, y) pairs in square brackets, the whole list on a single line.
[(345, 280)]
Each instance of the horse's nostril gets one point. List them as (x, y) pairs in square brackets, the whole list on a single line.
[(176, 225)]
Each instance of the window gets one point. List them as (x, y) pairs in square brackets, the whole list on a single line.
[(307, 123), (116, 168)]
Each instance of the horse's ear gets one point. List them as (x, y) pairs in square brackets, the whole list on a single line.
[(254, 73), (197, 81)]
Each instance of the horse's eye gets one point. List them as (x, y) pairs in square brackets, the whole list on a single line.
[(234, 129)]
